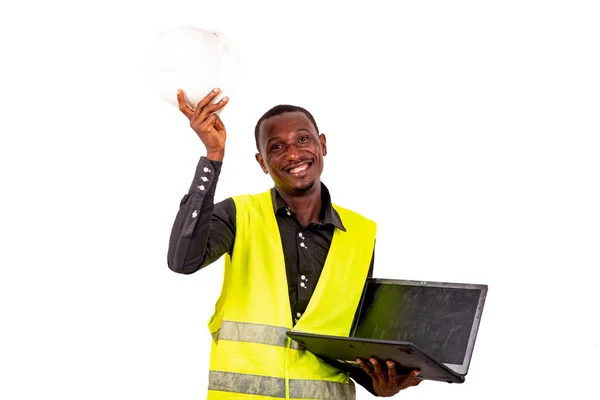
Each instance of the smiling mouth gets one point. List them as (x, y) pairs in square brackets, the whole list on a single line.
[(299, 169)]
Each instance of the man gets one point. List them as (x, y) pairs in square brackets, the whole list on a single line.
[(293, 260)]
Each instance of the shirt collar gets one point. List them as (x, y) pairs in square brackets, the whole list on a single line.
[(328, 214)]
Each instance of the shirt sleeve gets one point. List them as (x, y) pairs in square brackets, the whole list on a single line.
[(203, 231)]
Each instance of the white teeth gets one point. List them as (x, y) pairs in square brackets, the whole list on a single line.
[(298, 169)]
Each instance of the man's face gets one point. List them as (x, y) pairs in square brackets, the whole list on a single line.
[(291, 152)]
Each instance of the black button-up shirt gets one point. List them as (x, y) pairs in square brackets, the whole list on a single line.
[(204, 231)]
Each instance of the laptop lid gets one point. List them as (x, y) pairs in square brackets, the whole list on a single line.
[(440, 318)]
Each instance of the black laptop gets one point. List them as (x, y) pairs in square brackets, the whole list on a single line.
[(429, 326)]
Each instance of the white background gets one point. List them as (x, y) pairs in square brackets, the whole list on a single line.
[(467, 129)]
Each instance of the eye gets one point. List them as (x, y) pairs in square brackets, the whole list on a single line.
[(276, 147), (303, 139)]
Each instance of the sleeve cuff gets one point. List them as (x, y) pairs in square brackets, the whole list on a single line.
[(207, 173)]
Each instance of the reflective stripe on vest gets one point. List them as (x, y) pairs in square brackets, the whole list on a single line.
[(246, 384), (255, 333), (275, 387)]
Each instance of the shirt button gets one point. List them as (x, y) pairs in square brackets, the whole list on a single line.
[(303, 277), (300, 234), (298, 314), (302, 244), (303, 285)]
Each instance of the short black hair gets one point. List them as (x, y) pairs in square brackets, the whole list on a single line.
[(281, 109)]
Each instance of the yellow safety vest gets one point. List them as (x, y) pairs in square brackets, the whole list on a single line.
[(251, 357)]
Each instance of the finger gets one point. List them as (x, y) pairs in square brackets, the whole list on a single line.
[(366, 368), (211, 108), (207, 124), (391, 370), (183, 107), (206, 101), (378, 370), (220, 125), (411, 379)]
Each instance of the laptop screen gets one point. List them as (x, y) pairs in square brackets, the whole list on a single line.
[(440, 318)]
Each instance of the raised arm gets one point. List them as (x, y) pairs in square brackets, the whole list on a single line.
[(202, 231)]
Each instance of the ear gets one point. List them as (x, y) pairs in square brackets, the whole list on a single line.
[(323, 141), (261, 162)]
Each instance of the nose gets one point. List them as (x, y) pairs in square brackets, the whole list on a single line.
[(292, 153)]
